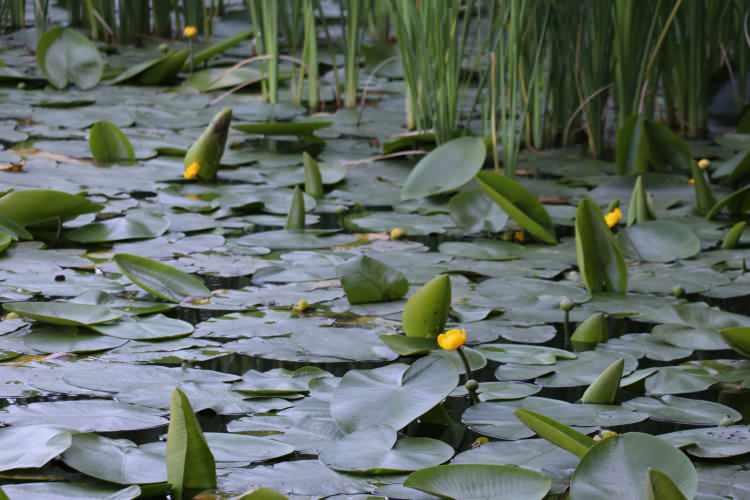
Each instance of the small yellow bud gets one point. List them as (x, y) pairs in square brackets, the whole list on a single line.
[(691, 181), (452, 339), (481, 440), (704, 163), (613, 217), (191, 172), (301, 306), (190, 32), (11, 315), (604, 434), (519, 236), (397, 233)]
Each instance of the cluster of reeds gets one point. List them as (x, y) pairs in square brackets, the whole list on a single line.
[(533, 73)]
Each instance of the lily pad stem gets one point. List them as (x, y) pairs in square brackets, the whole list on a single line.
[(471, 388)]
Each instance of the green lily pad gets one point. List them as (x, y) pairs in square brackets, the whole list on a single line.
[(65, 56), (63, 313), (160, 280)]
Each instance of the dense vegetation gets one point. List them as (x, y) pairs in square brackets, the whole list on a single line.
[(409, 249)]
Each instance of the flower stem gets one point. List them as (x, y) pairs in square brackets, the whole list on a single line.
[(472, 390)]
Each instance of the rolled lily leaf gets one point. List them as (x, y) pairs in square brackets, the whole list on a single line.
[(203, 158), (156, 71), (426, 311), (639, 209), (732, 238), (599, 256), (109, 144), (295, 221), (738, 338), (556, 433), (603, 390), (704, 196), (590, 333), (661, 487), (313, 178), (190, 463), (520, 205)]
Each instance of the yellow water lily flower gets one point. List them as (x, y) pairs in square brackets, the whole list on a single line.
[(452, 339), (704, 163), (613, 217), (691, 181), (480, 441), (301, 306), (190, 32), (519, 236), (191, 172), (397, 233)]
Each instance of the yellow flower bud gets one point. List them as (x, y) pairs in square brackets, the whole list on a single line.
[(11, 316), (481, 440), (613, 217), (190, 31), (452, 339), (604, 434), (191, 172), (397, 233), (704, 163), (301, 306), (691, 181), (519, 236)]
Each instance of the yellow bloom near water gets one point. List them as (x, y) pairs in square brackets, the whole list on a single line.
[(190, 32), (704, 163), (613, 217), (192, 171), (452, 339)]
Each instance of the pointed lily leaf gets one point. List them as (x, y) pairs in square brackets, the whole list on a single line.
[(639, 209), (208, 149), (377, 450), (632, 455), (367, 280), (480, 482), (393, 395), (63, 313), (738, 338), (295, 220), (599, 257), (556, 433), (603, 391), (662, 487), (160, 280), (426, 311), (34, 206), (190, 463), (109, 144), (313, 178), (446, 168), (732, 238), (65, 56), (520, 205), (633, 150), (591, 332)]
